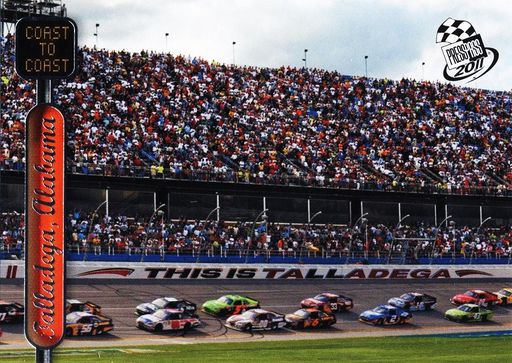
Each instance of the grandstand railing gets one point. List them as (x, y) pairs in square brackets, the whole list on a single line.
[(304, 255), (254, 178), (287, 180), (300, 256)]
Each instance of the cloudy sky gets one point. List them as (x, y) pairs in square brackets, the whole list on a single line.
[(397, 35)]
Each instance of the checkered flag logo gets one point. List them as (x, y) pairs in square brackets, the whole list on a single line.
[(452, 31)]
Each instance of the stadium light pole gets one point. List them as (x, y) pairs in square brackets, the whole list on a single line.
[(314, 216), (211, 212), (96, 35), (364, 220), (305, 59), (94, 214), (397, 227), (422, 71), (366, 66), (149, 222), (166, 38), (263, 212), (481, 224), (234, 43), (444, 220)]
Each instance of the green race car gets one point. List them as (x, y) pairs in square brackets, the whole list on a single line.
[(230, 305), (468, 312)]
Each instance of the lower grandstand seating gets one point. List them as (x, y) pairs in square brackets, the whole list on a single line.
[(129, 238)]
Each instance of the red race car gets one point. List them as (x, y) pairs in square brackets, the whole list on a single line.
[(328, 303), (478, 297)]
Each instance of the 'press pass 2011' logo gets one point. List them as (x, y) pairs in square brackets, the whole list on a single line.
[(466, 56)]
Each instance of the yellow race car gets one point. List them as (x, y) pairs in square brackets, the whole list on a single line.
[(82, 323), (505, 296)]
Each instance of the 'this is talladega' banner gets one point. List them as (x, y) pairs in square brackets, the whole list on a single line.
[(152, 271)]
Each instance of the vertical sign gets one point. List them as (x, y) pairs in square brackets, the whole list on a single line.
[(45, 50), (44, 258)]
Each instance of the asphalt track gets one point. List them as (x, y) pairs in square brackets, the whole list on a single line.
[(119, 300)]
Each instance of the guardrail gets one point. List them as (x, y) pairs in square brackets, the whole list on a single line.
[(232, 176)]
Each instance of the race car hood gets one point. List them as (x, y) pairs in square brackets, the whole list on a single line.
[(369, 314), (148, 318), (147, 307), (455, 312), (461, 298), (292, 317), (312, 302), (237, 319), (396, 301), (213, 305)]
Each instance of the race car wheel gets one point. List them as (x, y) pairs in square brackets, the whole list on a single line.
[(464, 319), (158, 328), (504, 301), (69, 332), (273, 326), (300, 325), (99, 331), (248, 327), (187, 326), (380, 322), (484, 317)]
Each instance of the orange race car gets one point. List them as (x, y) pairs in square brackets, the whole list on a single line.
[(309, 318)]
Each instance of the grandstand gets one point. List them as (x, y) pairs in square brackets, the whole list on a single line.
[(150, 129)]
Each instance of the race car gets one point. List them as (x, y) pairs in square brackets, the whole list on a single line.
[(468, 312), (167, 319), (328, 303), (11, 312), (309, 318), (73, 305), (230, 305), (479, 297), (385, 314), (413, 301), (166, 303), (256, 319), (83, 323), (504, 296)]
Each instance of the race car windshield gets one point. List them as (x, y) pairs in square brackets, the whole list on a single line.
[(301, 313), (378, 309), (470, 293), (160, 314), (505, 292), (321, 298), (407, 297), (225, 300), (159, 303), (465, 308), (250, 315)]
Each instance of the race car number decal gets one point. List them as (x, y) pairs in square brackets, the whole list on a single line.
[(334, 306), (86, 328), (2, 316)]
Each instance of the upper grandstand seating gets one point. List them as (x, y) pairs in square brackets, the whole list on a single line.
[(131, 113)]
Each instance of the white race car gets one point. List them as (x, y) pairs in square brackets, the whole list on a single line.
[(167, 319), (256, 319)]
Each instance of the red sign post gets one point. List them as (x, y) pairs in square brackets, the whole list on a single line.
[(44, 279)]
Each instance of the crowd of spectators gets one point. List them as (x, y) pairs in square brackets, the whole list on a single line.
[(162, 115), (97, 234)]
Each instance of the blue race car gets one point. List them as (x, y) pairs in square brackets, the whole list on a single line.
[(385, 314)]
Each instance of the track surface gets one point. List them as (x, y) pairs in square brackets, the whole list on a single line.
[(119, 301)]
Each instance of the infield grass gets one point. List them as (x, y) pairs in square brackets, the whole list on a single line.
[(389, 349)]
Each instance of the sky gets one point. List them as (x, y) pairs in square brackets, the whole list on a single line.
[(396, 35)]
